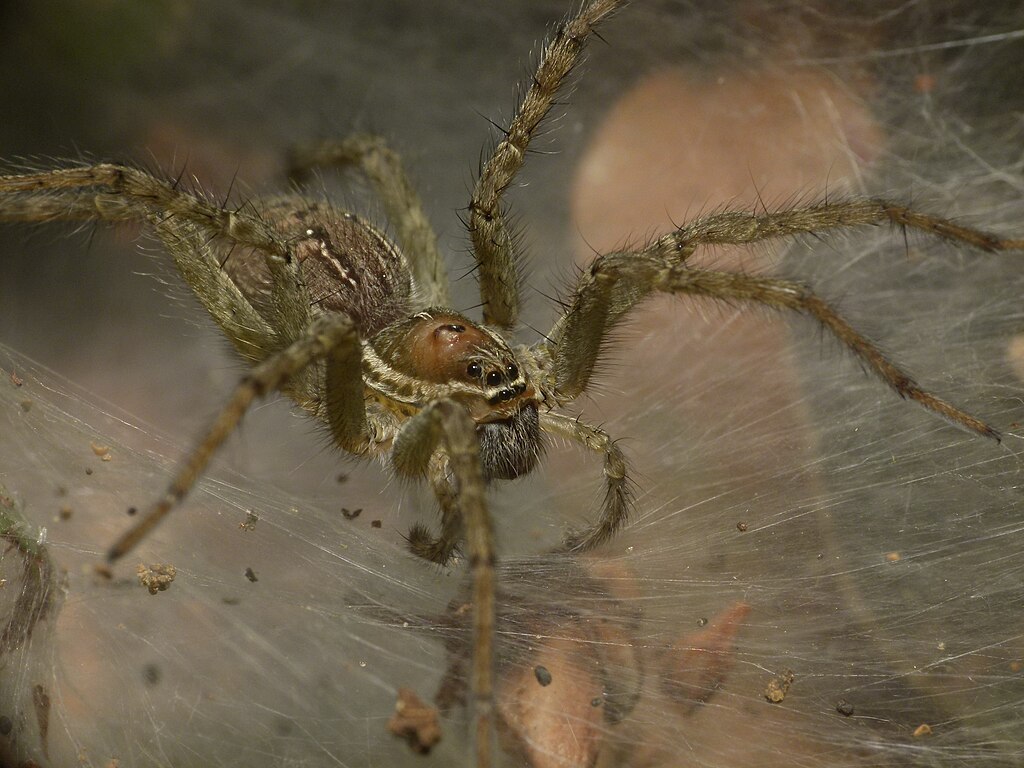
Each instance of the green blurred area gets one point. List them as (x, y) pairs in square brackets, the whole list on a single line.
[(77, 55)]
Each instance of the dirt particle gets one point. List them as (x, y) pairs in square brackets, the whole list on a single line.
[(924, 83), (543, 675), (778, 687), (151, 674), (156, 578), (41, 703), (415, 721)]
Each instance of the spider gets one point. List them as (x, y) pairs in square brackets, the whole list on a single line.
[(359, 332)]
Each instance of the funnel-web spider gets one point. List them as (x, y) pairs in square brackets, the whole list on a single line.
[(358, 331)]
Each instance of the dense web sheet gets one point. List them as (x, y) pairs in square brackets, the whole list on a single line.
[(801, 534), (249, 642), (884, 577)]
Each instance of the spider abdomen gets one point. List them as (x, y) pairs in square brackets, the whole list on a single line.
[(346, 265)]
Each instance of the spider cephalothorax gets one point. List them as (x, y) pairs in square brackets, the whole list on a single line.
[(439, 354)]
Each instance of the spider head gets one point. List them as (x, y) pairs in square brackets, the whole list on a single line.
[(441, 354)]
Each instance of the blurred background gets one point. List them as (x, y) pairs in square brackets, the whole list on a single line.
[(792, 514)]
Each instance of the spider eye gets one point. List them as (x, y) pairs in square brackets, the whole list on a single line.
[(493, 379), (474, 370), (512, 371)]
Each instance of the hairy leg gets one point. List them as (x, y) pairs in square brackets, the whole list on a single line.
[(441, 549), (615, 509), (122, 193), (446, 423), (617, 282), (601, 299), (493, 240), (195, 230), (325, 337), (618, 497)]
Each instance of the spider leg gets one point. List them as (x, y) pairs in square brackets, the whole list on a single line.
[(782, 294), (404, 209), (122, 193), (447, 422), (494, 244), (740, 227), (255, 335), (188, 224), (600, 302), (616, 282), (332, 337), (618, 497), (421, 543)]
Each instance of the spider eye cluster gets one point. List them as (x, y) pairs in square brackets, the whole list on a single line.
[(492, 378), (504, 377)]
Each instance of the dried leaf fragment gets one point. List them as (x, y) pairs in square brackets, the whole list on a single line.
[(415, 721)]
